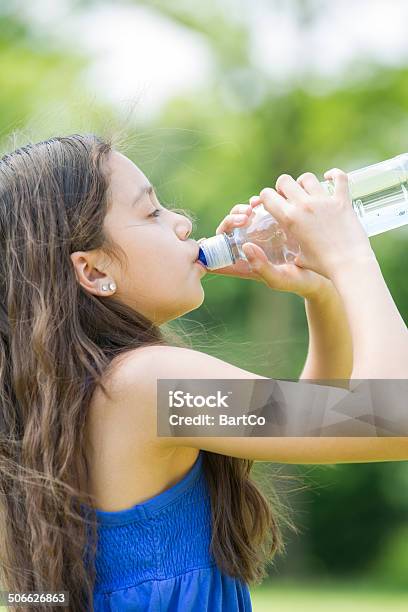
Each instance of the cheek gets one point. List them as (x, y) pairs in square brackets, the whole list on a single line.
[(156, 266)]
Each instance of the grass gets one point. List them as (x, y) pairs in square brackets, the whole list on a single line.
[(336, 597)]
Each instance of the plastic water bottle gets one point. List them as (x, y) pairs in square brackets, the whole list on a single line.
[(379, 195)]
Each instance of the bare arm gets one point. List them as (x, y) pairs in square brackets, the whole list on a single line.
[(330, 351), (146, 365), (379, 334)]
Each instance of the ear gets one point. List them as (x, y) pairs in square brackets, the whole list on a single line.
[(87, 273)]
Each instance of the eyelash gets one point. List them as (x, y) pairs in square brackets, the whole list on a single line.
[(153, 214), (157, 212)]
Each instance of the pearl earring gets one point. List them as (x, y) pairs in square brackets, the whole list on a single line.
[(109, 286)]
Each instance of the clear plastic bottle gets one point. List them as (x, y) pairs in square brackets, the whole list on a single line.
[(379, 196)]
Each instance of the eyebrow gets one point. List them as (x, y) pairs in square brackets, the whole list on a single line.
[(148, 188)]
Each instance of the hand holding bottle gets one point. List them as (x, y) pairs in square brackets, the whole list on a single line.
[(378, 195), (326, 226), (287, 277)]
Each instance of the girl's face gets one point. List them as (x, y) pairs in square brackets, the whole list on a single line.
[(162, 280)]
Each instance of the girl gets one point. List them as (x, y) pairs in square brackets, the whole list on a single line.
[(94, 503)]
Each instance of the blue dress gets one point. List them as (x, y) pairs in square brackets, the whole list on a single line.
[(154, 556)]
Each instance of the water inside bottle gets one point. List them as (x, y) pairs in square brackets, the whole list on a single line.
[(383, 210), (379, 195)]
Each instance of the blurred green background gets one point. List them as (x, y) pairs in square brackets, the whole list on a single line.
[(226, 115)]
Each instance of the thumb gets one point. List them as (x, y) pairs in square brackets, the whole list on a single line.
[(261, 265), (255, 255)]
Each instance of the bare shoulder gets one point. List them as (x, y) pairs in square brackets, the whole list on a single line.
[(136, 378), (131, 381), (136, 383), (153, 362)]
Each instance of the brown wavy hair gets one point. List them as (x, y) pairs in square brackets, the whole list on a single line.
[(57, 341)]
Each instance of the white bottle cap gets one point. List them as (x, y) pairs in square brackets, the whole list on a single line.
[(217, 252)]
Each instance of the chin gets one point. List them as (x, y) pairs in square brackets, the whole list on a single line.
[(192, 305), (200, 299)]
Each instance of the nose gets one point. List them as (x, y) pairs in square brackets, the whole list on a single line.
[(184, 228)]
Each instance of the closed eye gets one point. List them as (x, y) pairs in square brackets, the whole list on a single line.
[(155, 213)]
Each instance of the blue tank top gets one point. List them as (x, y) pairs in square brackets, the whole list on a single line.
[(154, 556)]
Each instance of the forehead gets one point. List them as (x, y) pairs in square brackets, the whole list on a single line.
[(125, 177)]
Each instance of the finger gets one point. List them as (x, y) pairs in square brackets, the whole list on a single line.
[(254, 251), (310, 183), (230, 222), (254, 200), (273, 276), (241, 209), (289, 188), (276, 205), (340, 178), (256, 257)]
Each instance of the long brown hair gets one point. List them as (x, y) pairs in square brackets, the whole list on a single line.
[(56, 342)]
